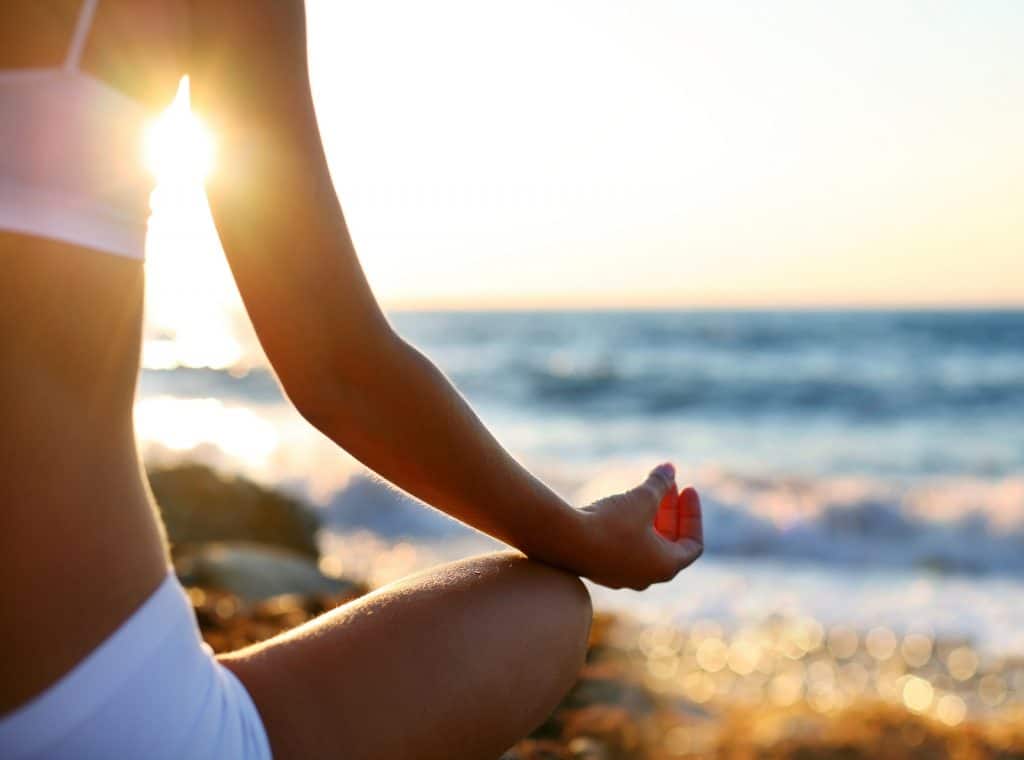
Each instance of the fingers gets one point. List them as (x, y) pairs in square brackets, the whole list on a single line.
[(666, 521), (673, 557), (690, 523), (685, 552), (687, 545)]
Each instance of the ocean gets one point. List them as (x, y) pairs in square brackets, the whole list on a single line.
[(860, 468)]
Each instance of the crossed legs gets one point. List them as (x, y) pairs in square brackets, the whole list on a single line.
[(460, 660)]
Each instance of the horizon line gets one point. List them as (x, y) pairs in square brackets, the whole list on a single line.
[(740, 307)]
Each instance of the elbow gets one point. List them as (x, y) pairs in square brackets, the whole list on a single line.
[(315, 408), (322, 402), (327, 388)]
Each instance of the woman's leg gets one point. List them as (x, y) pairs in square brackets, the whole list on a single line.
[(461, 660)]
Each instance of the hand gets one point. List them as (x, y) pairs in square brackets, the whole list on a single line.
[(625, 549)]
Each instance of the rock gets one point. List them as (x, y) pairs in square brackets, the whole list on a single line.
[(585, 748), (608, 691), (614, 730), (199, 505), (529, 749), (227, 624), (254, 572)]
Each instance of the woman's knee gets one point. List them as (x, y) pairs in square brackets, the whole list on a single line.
[(554, 596), (454, 635)]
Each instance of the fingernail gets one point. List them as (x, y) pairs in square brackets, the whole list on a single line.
[(689, 502), (666, 470)]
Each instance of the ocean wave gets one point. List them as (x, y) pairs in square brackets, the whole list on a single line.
[(256, 386), (751, 331), (607, 389), (602, 386), (856, 524), (853, 367)]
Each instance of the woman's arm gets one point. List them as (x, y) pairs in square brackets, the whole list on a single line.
[(334, 352)]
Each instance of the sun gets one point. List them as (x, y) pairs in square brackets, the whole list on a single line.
[(191, 302), (178, 148)]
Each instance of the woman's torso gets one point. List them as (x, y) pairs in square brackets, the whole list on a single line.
[(80, 548)]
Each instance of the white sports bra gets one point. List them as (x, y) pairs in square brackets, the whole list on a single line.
[(71, 164)]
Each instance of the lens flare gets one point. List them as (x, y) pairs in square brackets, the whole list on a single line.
[(178, 148)]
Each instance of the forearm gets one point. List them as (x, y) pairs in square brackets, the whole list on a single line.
[(408, 423), (286, 241)]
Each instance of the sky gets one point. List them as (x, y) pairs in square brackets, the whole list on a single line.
[(669, 153)]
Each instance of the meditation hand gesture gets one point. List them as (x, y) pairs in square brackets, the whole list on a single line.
[(643, 536)]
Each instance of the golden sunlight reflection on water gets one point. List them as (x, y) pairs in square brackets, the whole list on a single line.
[(181, 424), (271, 445), (773, 664)]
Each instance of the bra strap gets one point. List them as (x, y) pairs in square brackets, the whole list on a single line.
[(85, 14)]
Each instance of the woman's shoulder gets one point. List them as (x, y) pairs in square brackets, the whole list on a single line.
[(138, 48)]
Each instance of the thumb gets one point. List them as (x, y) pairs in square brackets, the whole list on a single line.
[(653, 490)]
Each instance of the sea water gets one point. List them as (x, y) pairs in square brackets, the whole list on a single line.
[(858, 467)]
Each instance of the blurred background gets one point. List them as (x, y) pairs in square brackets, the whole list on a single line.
[(779, 245)]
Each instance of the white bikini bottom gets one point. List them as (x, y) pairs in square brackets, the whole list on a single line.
[(151, 690)]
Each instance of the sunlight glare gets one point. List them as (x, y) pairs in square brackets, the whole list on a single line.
[(192, 306), (185, 424), (178, 146)]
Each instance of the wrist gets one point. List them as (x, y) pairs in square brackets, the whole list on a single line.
[(560, 541)]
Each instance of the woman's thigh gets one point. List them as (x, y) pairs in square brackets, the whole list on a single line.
[(459, 661)]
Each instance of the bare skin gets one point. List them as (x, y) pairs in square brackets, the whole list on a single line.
[(464, 658), (458, 661)]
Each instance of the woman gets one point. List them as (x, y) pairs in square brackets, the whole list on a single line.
[(100, 653)]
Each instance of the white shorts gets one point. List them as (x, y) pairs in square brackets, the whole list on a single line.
[(151, 690)]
